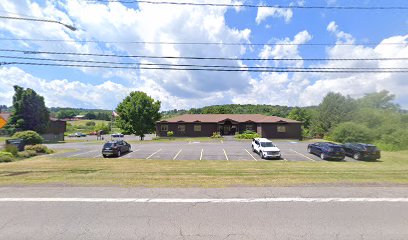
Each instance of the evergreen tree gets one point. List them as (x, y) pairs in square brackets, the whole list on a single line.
[(29, 111)]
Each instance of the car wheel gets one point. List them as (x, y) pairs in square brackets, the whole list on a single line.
[(261, 154), (357, 156), (322, 156), (253, 149), (309, 150), (118, 153), (104, 156)]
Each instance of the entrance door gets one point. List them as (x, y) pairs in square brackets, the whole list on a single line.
[(227, 129)]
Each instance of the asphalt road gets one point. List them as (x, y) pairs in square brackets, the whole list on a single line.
[(290, 213), (193, 150)]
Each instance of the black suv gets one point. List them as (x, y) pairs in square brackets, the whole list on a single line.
[(115, 148), (360, 151), (326, 150)]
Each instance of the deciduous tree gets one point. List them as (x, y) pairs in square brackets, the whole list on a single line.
[(138, 114)]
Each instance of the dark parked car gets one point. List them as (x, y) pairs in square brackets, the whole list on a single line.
[(115, 148), (360, 151), (327, 150)]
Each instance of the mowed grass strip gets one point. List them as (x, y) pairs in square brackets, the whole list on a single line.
[(392, 169)]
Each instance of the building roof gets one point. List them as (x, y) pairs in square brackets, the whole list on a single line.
[(5, 115), (216, 118)]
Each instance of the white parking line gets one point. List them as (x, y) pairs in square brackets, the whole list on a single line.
[(207, 200), (153, 154), (303, 155), (222, 141), (97, 156), (201, 155), (225, 155), (251, 155), (131, 153), (81, 153), (177, 154)]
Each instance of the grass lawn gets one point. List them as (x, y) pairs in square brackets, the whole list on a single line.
[(392, 169), (83, 122), (3, 139)]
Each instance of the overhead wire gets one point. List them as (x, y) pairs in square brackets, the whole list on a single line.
[(305, 70), (254, 5), (197, 65), (203, 43), (201, 58)]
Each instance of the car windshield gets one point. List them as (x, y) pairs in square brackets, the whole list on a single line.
[(108, 145), (267, 144), (371, 148), (335, 148)]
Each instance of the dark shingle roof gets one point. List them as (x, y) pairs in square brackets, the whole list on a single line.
[(215, 118)]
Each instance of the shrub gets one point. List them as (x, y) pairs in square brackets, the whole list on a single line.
[(216, 135), (170, 134), (248, 135), (102, 127), (6, 157), (393, 142), (12, 149), (38, 148), (91, 123), (29, 137), (351, 132), (23, 154)]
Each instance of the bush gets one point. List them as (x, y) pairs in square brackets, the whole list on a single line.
[(29, 137), (38, 148), (351, 132), (170, 134), (216, 135), (393, 142), (91, 123), (12, 149), (248, 135), (23, 154), (6, 157), (102, 127)]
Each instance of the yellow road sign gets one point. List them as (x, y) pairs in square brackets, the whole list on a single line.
[(2, 122)]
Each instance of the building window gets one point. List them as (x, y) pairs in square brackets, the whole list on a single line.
[(181, 128), (164, 128), (197, 128), (249, 127), (281, 128)]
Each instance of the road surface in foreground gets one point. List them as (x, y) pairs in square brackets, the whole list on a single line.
[(232, 213)]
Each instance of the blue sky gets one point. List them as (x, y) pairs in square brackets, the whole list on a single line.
[(105, 88)]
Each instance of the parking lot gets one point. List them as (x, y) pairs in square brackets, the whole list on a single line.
[(193, 150)]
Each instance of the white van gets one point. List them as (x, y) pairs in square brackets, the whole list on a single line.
[(265, 148)]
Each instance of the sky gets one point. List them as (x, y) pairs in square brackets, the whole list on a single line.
[(114, 27)]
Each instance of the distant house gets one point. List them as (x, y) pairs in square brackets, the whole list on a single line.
[(79, 117), (55, 131), (5, 115), (203, 125)]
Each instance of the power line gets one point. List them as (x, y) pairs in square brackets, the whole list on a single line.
[(198, 66), (201, 58), (39, 20), (207, 69), (201, 43), (257, 6)]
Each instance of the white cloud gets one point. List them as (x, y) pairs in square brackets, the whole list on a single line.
[(357, 84), (264, 13), (150, 23)]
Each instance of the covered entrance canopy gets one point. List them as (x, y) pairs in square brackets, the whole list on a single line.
[(228, 127)]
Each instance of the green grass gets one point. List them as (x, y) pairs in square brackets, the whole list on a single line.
[(3, 139), (392, 169), (83, 122)]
